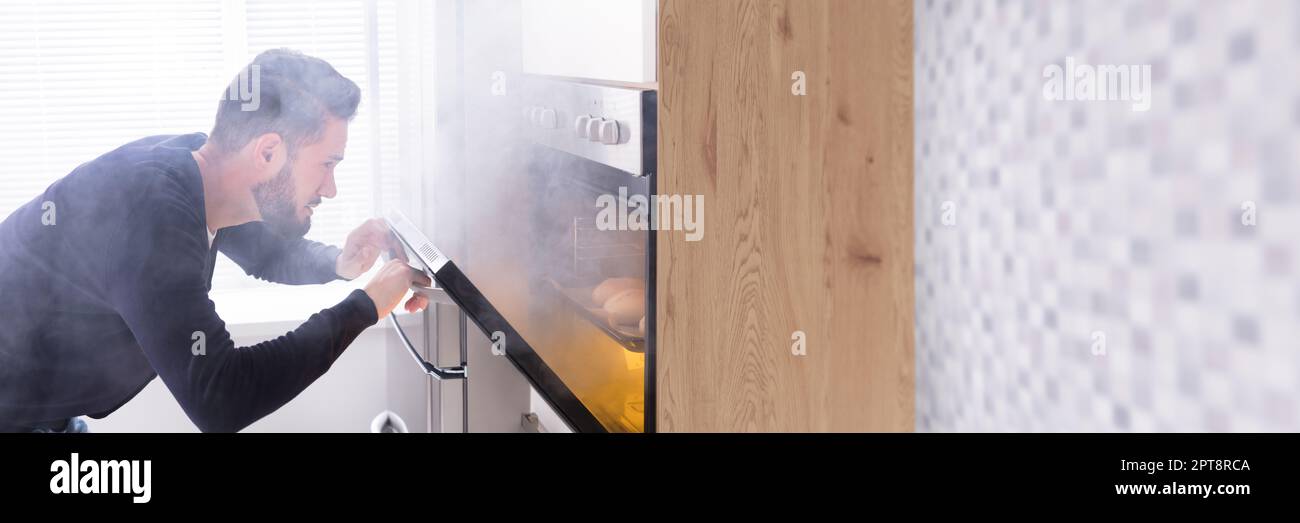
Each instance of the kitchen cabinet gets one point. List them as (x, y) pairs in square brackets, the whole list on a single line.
[(808, 210), (607, 40)]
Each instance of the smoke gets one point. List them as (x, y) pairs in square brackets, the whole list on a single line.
[(517, 214)]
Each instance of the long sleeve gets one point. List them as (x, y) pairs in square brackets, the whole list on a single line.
[(158, 288), (268, 256)]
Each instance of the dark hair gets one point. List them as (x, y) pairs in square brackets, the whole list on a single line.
[(294, 92)]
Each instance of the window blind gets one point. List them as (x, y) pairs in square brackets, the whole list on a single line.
[(80, 78)]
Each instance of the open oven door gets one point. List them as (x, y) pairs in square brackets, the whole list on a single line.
[(452, 285)]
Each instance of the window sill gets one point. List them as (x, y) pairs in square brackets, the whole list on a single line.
[(277, 309)]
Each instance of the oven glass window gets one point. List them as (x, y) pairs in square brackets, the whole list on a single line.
[(563, 269)]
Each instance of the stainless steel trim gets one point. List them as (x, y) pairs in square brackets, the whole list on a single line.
[(435, 294), (432, 258), (441, 373)]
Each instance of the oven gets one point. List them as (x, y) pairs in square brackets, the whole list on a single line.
[(591, 291), (555, 270)]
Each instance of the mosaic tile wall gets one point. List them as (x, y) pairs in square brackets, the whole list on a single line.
[(1095, 268)]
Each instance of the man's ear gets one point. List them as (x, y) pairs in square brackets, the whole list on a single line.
[(269, 153)]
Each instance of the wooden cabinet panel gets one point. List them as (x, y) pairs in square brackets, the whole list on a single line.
[(808, 215)]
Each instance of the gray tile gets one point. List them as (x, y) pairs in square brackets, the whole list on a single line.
[(1188, 288), (1139, 251), (1187, 222), (1241, 48), (1245, 330), (1184, 29)]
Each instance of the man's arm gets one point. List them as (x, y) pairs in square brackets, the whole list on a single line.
[(268, 256), (157, 286)]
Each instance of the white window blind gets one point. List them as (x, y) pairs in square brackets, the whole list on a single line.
[(80, 78)]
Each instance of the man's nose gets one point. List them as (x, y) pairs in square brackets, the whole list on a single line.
[(329, 190)]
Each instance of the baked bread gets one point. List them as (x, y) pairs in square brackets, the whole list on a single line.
[(612, 286), (626, 307)]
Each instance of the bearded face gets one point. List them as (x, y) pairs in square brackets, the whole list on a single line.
[(277, 200)]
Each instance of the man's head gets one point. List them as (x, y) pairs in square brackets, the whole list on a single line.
[(290, 140)]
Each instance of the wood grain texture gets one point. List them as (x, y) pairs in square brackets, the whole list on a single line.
[(808, 216)]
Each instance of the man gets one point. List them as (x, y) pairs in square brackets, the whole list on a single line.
[(104, 277)]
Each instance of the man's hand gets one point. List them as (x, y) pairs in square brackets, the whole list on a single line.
[(391, 284), (364, 246)]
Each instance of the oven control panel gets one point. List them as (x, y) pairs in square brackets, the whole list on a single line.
[(614, 126), (596, 129)]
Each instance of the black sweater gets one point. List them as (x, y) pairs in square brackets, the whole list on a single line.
[(104, 284)]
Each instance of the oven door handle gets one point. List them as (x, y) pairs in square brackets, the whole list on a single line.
[(441, 373)]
